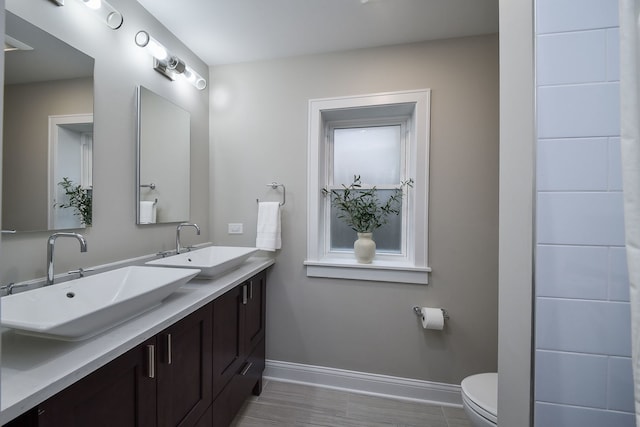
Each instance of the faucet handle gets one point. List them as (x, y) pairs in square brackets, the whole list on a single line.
[(164, 253), (80, 271), (8, 289)]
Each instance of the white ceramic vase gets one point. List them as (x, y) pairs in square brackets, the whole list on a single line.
[(364, 248)]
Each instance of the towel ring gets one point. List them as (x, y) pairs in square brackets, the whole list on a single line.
[(274, 185)]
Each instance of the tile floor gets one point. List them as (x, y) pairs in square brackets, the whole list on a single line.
[(287, 404)]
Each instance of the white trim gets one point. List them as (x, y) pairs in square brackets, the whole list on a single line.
[(377, 271), (322, 264), (365, 383), (52, 156)]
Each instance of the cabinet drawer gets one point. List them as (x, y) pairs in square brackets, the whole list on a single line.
[(246, 381), (250, 375)]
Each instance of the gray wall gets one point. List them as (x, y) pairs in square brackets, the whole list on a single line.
[(517, 138), (120, 65), (26, 144), (259, 134)]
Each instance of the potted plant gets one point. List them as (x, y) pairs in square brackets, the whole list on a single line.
[(79, 199), (362, 210)]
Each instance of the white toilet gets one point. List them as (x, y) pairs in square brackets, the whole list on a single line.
[(480, 399)]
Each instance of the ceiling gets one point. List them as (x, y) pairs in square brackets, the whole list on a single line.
[(232, 31), (46, 57)]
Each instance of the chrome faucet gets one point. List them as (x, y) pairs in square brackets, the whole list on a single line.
[(50, 245), (184, 224)]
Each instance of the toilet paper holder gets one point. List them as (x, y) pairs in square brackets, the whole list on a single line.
[(418, 312)]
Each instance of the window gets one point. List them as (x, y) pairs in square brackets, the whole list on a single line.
[(384, 139)]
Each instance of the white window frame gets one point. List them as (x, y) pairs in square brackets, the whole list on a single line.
[(325, 114)]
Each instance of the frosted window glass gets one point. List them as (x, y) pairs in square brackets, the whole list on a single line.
[(371, 152), (388, 238)]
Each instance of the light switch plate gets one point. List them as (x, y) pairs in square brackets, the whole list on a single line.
[(235, 228)]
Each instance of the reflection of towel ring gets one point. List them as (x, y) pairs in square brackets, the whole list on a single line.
[(275, 185), (151, 186)]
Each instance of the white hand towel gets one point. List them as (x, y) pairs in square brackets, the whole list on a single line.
[(268, 236)]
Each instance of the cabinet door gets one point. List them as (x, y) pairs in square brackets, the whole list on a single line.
[(122, 393), (255, 311), (228, 322), (184, 370)]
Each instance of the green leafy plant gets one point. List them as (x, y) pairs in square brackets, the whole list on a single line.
[(361, 209), (79, 199)]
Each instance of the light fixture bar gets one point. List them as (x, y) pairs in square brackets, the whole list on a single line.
[(168, 64), (194, 78), (105, 12)]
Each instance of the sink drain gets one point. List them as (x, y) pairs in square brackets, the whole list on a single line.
[(71, 294)]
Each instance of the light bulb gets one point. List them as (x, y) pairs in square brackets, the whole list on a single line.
[(92, 4), (107, 13), (194, 78), (143, 39)]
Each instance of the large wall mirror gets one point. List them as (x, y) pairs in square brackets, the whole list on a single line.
[(48, 131), (164, 156)]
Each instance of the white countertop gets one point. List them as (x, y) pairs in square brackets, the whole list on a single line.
[(34, 369)]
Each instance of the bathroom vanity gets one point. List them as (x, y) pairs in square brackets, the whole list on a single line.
[(192, 361)]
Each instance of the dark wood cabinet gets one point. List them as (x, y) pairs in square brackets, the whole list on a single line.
[(238, 327), (255, 311), (239, 356), (228, 321), (165, 381), (184, 370), (196, 373), (122, 393)]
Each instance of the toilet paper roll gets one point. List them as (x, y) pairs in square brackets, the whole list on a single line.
[(432, 318)]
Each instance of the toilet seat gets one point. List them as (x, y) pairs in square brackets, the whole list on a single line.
[(480, 393)]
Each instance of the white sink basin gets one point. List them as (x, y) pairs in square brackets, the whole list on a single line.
[(78, 309), (212, 260)]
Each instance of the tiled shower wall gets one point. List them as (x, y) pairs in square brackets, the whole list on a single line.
[(582, 363)]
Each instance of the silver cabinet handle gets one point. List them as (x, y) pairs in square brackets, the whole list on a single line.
[(250, 289), (169, 350), (246, 368), (151, 361), (244, 294)]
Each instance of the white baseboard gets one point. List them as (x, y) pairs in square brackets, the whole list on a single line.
[(365, 383)]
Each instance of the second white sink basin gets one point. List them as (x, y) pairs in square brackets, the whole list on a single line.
[(211, 261), (81, 308)]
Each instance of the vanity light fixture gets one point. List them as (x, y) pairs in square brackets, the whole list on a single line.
[(103, 10), (168, 64)]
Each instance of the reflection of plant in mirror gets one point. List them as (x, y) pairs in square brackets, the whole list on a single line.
[(79, 198)]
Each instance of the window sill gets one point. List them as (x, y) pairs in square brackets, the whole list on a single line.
[(378, 270)]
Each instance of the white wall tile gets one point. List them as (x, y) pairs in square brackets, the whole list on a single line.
[(549, 415), (572, 272), (571, 105), (578, 57), (572, 164), (571, 378), (615, 165), (618, 275), (570, 15), (613, 54), (594, 327), (620, 384), (580, 219), (579, 111)]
